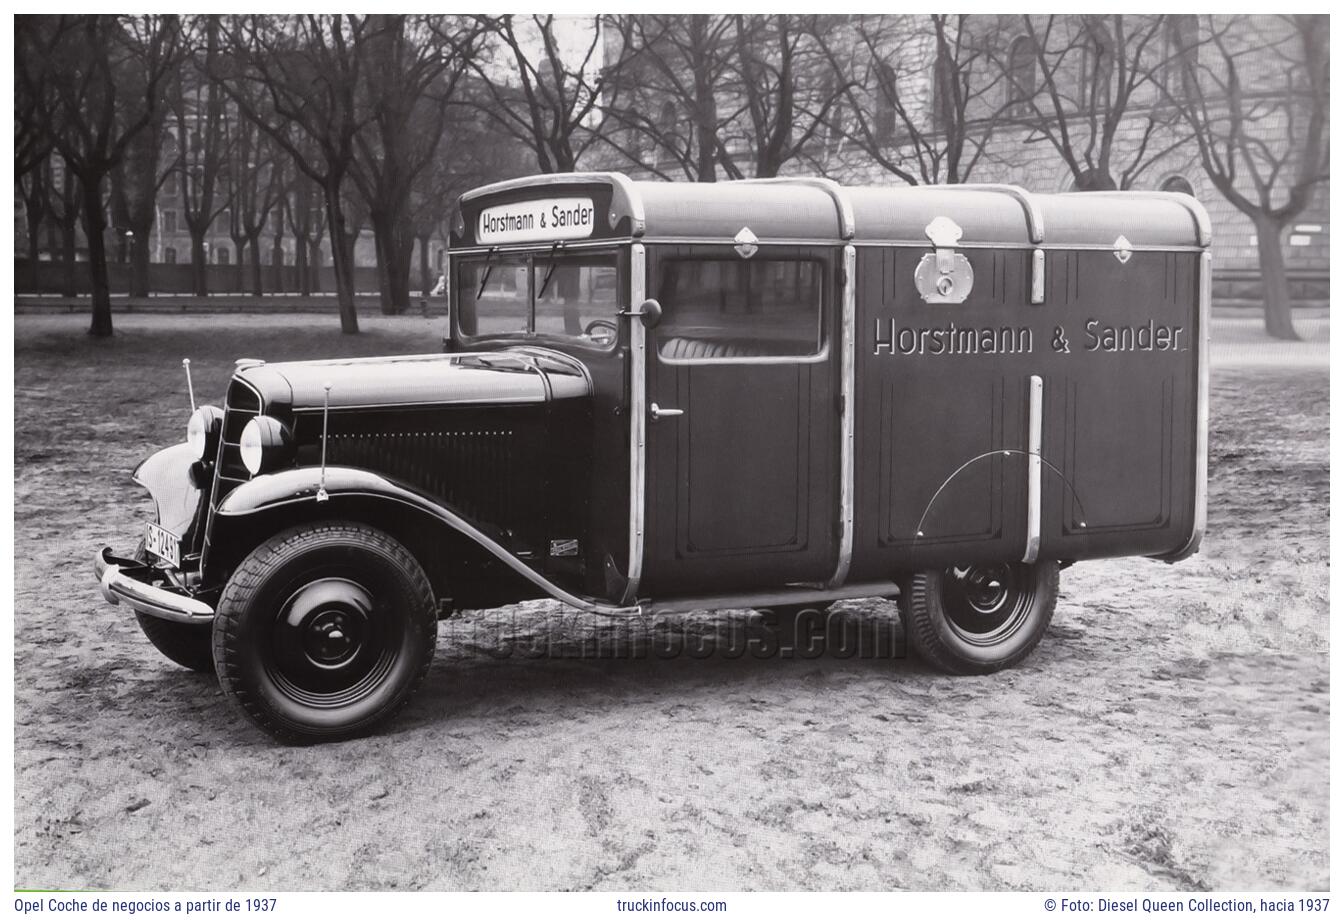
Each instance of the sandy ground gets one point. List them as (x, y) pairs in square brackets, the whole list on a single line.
[(1170, 732)]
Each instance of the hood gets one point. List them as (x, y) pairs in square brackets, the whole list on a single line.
[(479, 378)]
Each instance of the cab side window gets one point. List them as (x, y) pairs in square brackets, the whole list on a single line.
[(740, 308)]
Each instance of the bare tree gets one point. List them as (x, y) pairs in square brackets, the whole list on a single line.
[(255, 178), (150, 161), (665, 86), (106, 78), (556, 98), (921, 95), (201, 126), (1262, 131), (308, 68), (1092, 81), (34, 188), (787, 91), (411, 73), (64, 204), (307, 224)]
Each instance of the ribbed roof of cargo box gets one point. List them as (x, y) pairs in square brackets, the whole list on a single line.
[(803, 210)]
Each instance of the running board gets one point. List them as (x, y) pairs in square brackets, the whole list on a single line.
[(778, 597)]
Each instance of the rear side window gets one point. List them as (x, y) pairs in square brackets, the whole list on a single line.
[(740, 308)]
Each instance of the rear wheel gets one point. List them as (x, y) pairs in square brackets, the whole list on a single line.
[(976, 619), (323, 632)]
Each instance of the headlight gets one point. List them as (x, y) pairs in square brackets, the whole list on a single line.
[(265, 444), (203, 431)]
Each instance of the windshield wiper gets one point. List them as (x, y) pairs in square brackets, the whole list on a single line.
[(489, 267), (550, 269)]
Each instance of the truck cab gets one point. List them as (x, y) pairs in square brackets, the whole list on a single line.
[(658, 396)]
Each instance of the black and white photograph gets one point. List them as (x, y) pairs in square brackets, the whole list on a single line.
[(672, 457)]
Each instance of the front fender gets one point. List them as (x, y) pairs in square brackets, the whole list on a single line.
[(300, 486), (166, 475)]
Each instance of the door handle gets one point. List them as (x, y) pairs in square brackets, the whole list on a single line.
[(657, 413)]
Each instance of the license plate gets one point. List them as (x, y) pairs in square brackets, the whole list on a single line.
[(164, 544)]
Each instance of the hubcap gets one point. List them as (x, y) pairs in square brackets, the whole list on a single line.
[(327, 646), (985, 603)]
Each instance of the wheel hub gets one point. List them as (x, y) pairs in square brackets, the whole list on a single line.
[(986, 601), (331, 637), (325, 639)]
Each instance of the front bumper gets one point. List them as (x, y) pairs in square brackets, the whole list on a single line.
[(119, 584)]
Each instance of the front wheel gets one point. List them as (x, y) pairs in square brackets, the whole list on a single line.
[(186, 644), (976, 619), (324, 631)]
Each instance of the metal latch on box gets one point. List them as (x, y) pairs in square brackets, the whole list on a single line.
[(945, 275)]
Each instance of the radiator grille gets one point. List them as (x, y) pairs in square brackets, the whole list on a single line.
[(241, 405)]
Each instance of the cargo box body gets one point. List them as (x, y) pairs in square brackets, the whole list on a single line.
[(1100, 379)]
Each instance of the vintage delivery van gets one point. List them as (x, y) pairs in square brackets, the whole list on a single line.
[(653, 396)]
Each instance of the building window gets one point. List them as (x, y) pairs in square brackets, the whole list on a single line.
[(1178, 184), (886, 101), (169, 255), (169, 221), (1022, 82), (221, 255)]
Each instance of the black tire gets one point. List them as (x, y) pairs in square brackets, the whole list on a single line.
[(324, 632), (978, 619), (183, 643)]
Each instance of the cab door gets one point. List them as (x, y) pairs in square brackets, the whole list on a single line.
[(743, 432)]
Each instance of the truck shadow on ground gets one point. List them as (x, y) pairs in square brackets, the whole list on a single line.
[(558, 665)]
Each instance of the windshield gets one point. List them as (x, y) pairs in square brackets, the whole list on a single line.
[(573, 295)]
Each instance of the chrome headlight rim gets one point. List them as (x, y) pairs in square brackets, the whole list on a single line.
[(203, 430), (265, 444)]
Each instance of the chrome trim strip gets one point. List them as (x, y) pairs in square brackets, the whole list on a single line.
[(848, 346), (543, 247), (1201, 521), (638, 423), (1035, 219), (117, 587), (729, 241), (1034, 471), (1047, 247), (1038, 275), (619, 180), (1203, 226), (837, 192)]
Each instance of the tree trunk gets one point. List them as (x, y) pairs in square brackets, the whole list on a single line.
[(200, 281), (140, 265), (278, 264), (425, 286), (313, 283), (1274, 278), (382, 247), (254, 251), (94, 224), (34, 236), (342, 258), (301, 266), (68, 255)]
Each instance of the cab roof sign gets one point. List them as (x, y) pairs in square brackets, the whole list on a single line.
[(531, 221)]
